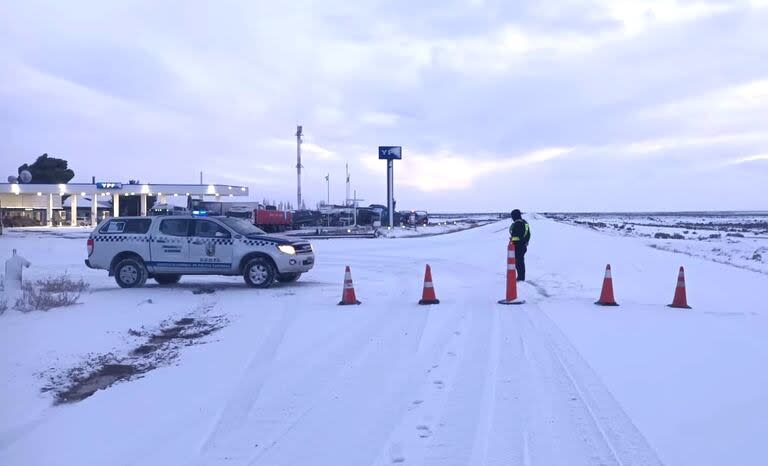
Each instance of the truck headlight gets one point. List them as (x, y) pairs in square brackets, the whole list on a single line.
[(287, 249)]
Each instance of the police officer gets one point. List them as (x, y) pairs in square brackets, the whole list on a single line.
[(520, 234)]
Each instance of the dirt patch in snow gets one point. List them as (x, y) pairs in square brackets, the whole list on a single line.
[(161, 347)]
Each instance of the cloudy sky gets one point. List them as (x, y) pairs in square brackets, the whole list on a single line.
[(574, 105)]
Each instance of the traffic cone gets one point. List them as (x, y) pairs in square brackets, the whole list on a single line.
[(680, 300), (348, 294), (428, 295), (511, 278), (606, 295)]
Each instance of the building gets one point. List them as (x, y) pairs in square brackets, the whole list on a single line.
[(72, 203)]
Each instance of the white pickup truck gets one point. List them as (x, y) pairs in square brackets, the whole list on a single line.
[(134, 249)]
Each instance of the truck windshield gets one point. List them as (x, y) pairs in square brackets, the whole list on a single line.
[(242, 226)]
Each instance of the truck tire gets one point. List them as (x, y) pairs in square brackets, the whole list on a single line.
[(259, 273), (167, 278), (288, 277), (130, 273)]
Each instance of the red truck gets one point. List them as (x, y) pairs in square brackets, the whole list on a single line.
[(272, 220)]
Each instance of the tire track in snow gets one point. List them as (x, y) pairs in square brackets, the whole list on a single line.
[(252, 379), (365, 404), (351, 354), (232, 439), (425, 397), (482, 436), (550, 408), (627, 444), (468, 409)]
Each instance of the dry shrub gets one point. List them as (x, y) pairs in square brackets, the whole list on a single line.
[(61, 284), (50, 293)]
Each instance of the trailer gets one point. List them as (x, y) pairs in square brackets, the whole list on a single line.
[(272, 220)]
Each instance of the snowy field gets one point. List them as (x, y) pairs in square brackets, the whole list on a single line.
[(738, 239), (285, 377), (436, 227)]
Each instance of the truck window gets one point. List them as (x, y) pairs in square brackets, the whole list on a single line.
[(174, 227), (136, 226), (209, 229)]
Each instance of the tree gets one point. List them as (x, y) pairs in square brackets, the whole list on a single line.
[(48, 170)]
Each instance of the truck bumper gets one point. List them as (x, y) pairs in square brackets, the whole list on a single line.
[(88, 264), (300, 263)]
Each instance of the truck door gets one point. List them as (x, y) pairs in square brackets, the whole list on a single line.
[(211, 248), (170, 247)]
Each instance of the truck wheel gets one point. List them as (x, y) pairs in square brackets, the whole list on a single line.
[(167, 278), (130, 273), (259, 273), (288, 277)]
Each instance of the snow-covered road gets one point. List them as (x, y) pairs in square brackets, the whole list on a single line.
[(296, 380)]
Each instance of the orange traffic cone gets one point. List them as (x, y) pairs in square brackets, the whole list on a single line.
[(348, 294), (428, 295), (606, 295), (511, 278), (680, 299)]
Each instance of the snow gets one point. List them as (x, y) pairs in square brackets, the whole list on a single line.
[(436, 227), (737, 239), (294, 379)]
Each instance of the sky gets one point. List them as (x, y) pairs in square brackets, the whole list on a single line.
[(577, 105)]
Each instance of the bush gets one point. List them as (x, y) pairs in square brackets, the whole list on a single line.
[(3, 305), (61, 284), (49, 293)]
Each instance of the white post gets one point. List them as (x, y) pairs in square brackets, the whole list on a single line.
[(143, 205), (116, 204), (94, 209), (13, 279), (49, 211), (73, 210)]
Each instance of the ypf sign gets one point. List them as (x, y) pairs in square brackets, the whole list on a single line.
[(390, 153)]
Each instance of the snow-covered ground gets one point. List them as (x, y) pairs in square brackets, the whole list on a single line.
[(435, 227), (738, 239), (293, 379)]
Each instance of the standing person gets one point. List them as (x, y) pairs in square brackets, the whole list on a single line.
[(520, 234)]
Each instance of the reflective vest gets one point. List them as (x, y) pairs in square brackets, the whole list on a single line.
[(526, 231)]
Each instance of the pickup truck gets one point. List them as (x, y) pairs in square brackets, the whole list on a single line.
[(163, 248)]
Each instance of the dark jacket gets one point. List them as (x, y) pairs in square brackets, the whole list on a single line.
[(520, 232)]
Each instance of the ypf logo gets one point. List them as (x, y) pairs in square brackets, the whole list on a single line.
[(390, 152)]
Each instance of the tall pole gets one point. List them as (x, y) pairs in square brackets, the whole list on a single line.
[(298, 166), (390, 193), (328, 188), (346, 200)]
